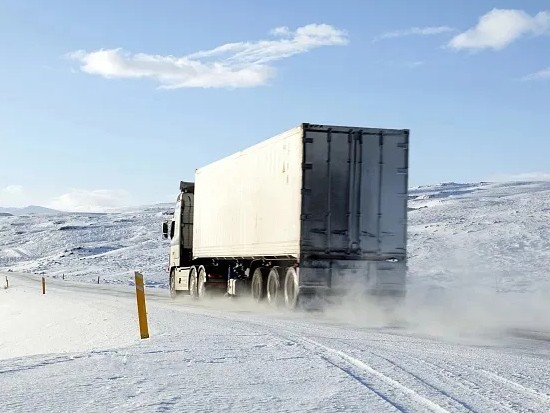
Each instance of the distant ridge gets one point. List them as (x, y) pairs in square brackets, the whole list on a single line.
[(30, 210)]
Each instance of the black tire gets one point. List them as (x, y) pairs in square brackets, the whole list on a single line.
[(291, 289), (258, 284), (172, 283), (193, 282), (273, 289), (201, 283)]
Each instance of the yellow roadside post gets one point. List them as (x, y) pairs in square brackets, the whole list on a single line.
[(142, 311), (43, 285)]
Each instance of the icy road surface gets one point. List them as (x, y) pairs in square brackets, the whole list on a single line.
[(76, 349)]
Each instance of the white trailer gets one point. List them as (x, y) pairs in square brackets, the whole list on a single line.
[(316, 210)]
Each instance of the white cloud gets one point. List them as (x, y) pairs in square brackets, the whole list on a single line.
[(281, 31), (500, 27), (414, 31), (232, 65), (98, 200), (414, 64), (540, 75), (12, 190), (12, 196)]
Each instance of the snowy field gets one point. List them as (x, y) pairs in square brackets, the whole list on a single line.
[(472, 336), (76, 349)]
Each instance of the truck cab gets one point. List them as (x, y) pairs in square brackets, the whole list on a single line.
[(180, 232)]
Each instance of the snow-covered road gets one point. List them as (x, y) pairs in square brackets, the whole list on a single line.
[(77, 349)]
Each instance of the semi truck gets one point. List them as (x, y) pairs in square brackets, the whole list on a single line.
[(316, 211)]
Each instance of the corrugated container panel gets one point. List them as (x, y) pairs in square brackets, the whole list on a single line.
[(355, 191), (249, 204)]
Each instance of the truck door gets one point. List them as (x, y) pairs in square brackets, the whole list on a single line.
[(354, 202)]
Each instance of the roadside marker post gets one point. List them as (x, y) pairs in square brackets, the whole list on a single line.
[(142, 311), (7, 283), (43, 285)]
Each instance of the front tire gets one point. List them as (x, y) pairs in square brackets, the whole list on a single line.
[(172, 283)]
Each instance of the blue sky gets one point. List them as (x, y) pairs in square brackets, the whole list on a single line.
[(108, 103)]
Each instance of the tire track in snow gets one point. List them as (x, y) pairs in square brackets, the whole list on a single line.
[(526, 390), (487, 385), (487, 396), (424, 382), (413, 395), (366, 384), (458, 404), (343, 362), (530, 379), (467, 382), (456, 376), (508, 400), (493, 401), (470, 383), (445, 376)]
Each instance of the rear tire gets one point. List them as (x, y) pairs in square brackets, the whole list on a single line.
[(258, 284), (273, 290), (201, 283), (291, 289), (193, 283)]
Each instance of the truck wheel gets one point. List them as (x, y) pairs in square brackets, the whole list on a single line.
[(172, 283), (193, 282), (273, 292), (258, 285), (201, 283), (291, 289)]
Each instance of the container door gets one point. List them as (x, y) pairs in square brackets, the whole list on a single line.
[(383, 226), (325, 193), (354, 192)]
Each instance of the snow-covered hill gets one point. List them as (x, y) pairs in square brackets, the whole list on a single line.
[(83, 245), (30, 210), (492, 235), (460, 235)]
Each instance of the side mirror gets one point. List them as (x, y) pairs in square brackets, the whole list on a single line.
[(165, 229)]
